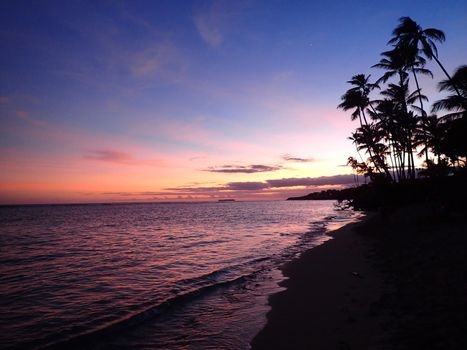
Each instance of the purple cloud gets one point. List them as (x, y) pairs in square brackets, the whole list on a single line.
[(196, 189), (312, 181), (247, 186), (291, 158), (275, 188), (246, 169)]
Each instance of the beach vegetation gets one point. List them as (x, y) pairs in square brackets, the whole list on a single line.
[(395, 127), (411, 148)]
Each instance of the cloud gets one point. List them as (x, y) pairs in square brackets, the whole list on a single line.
[(195, 189), (191, 159), (118, 157), (218, 19), (145, 64), (109, 156), (312, 181), (230, 186), (245, 169), (5, 100), (291, 158), (160, 58), (23, 115), (336, 180), (247, 190), (247, 186), (208, 28)]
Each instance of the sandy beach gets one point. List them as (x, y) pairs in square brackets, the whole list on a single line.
[(391, 281)]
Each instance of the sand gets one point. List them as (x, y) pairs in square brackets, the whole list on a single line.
[(393, 281), (327, 301)]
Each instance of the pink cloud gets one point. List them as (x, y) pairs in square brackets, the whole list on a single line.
[(23, 115), (109, 156), (5, 100), (113, 156)]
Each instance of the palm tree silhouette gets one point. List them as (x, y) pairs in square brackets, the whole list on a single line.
[(358, 97), (456, 103), (398, 62), (397, 129), (409, 35), (454, 145), (431, 134)]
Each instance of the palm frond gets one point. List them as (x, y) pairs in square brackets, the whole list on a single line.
[(423, 71), (450, 103), (435, 34)]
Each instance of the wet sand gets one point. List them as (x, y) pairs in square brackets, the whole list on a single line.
[(327, 301), (392, 281)]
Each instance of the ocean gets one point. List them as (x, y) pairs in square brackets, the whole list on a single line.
[(149, 276)]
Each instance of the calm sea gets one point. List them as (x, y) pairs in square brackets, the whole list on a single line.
[(148, 276)]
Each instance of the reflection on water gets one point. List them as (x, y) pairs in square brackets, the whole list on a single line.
[(69, 270)]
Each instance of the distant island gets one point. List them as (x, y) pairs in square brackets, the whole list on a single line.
[(226, 200), (326, 195)]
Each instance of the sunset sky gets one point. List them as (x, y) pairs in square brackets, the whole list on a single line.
[(177, 100)]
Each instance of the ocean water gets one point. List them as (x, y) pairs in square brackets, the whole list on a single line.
[(148, 276)]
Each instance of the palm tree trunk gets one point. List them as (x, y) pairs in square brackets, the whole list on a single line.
[(410, 158), (362, 111), (360, 155), (423, 113), (402, 158), (447, 74), (360, 118), (393, 163), (369, 146), (377, 161), (409, 164), (398, 164)]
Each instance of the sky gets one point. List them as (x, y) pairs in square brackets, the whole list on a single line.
[(104, 101)]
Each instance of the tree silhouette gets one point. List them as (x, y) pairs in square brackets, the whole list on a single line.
[(411, 37), (398, 126)]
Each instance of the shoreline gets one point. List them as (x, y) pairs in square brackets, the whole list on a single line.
[(394, 280), (328, 293)]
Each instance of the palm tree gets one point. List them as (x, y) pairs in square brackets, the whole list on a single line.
[(394, 63), (454, 145), (360, 169), (403, 123), (350, 100), (358, 97), (361, 82), (409, 35), (399, 61), (370, 138), (432, 134), (386, 114), (456, 103), (398, 129)]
